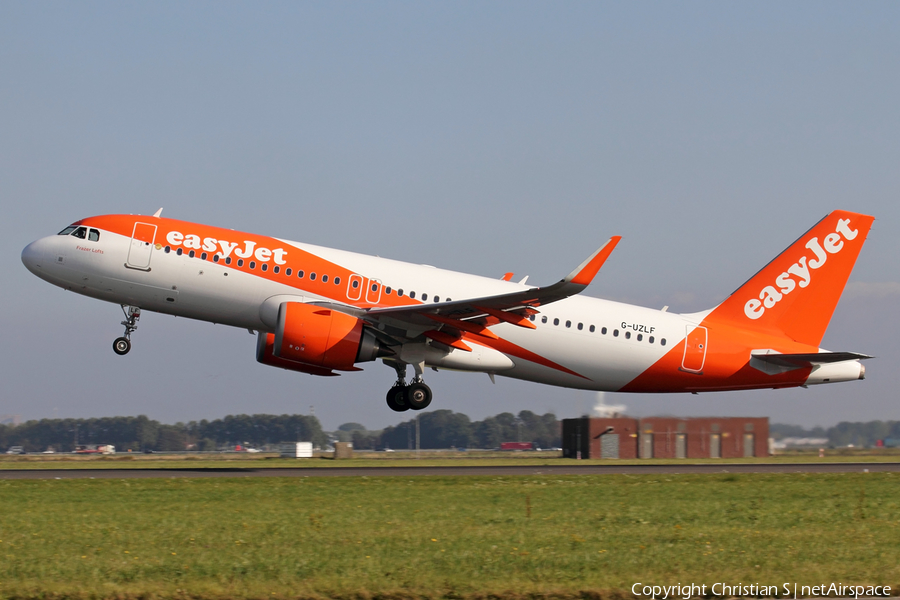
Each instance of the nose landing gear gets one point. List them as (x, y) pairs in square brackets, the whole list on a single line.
[(122, 345), (402, 396)]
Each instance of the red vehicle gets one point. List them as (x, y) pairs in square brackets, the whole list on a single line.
[(517, 446)]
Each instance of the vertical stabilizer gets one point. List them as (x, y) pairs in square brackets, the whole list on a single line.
[(796, 293)]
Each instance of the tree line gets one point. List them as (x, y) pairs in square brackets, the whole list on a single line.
[(437, 429), (144, 434), (446, 429), (845, 433)]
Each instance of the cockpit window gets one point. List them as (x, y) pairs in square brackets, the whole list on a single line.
[(80, 233), (94, 235), (67, 230)]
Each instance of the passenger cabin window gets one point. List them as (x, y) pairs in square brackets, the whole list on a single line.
[(93, 235), (80, 233), (288, 271), (337, 281), (324, 278), (412, 294)]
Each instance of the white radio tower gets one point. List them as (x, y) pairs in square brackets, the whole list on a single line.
[(607, 411)]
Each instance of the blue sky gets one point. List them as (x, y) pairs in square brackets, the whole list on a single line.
[(481, 137)]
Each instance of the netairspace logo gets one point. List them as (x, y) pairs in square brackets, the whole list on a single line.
[(756, 590)]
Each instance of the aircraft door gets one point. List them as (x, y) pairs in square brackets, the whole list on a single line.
[(142, 239), (354, 287), (694, 350), (373, 291)]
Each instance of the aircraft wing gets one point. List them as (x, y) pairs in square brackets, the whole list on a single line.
[(476, 314)]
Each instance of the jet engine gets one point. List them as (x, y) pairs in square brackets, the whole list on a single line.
[(315, 340)]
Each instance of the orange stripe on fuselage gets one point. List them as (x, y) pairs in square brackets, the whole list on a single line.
[(230, 242)]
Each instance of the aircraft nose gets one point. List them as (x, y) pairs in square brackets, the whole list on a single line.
[(33, 256)]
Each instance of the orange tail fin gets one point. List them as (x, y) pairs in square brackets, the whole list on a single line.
[(797, 292)]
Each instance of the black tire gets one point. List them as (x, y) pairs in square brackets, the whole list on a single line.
[(418, 396), (121, 346), (396, 399)]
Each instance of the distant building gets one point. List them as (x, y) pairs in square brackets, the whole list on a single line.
[(10, 420), (666, 437)]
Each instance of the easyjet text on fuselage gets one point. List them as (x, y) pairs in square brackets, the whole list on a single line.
[(225, 248)]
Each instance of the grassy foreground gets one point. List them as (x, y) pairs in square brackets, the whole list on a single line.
[(453, 537)]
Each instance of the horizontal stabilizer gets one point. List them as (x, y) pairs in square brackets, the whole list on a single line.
[(796, 361)]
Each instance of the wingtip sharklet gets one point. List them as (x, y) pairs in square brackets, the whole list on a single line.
[(586, 271)]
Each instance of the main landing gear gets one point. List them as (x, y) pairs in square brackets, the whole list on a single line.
[(402, 396), (132, 315)]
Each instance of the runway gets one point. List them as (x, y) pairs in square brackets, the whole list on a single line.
[(498, 471)]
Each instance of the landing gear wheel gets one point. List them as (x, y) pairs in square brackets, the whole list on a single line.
[(396, 398), (418, 395), (121, 346)]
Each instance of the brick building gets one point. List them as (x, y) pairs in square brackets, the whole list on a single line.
[(666, 437)]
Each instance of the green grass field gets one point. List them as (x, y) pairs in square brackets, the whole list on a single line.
[(453, 537)]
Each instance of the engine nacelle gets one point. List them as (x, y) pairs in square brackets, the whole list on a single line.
[(265, 342), (322, 338)]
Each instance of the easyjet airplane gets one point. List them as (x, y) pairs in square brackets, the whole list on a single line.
[(318, 310)]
